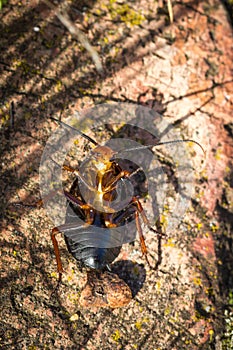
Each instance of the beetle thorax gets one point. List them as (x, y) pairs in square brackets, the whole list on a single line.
[(98, 170)]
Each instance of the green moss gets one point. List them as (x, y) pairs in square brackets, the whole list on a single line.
[(125, 13), (2, 2)]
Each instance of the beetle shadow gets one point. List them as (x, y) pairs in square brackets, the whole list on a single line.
[(133, 274)]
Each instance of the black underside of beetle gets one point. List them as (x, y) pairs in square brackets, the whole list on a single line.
[(80, 244)]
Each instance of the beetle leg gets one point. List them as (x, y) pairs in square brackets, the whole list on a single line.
[(108, 220), (51, 194), (90, 215), (142, 239), (38, 204), (79, 175), (76, 200), (55, 231), (111, 186), (46, 198), (123, 174), (143, 215)]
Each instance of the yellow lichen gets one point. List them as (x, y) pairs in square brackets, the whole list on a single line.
[(167, 311), (53, 274), (125, 13), (209, 291), (158, 286), (197, 281), (139, 324), (163, 220), (74, 317), (211, 333), (116, 336), (217, 155), (58, 86), (169, 243), (204, 175), (214, 227)]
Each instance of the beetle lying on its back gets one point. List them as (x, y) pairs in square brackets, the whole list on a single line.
[(89, 229), (95, 227)]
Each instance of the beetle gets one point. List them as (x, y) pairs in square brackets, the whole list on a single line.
[(94, 229)]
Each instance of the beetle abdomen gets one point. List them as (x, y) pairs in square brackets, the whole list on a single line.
[(95, 258), (90, 245)]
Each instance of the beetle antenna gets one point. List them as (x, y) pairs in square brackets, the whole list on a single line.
[(180, 141), (77, 131), (162, 143)]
